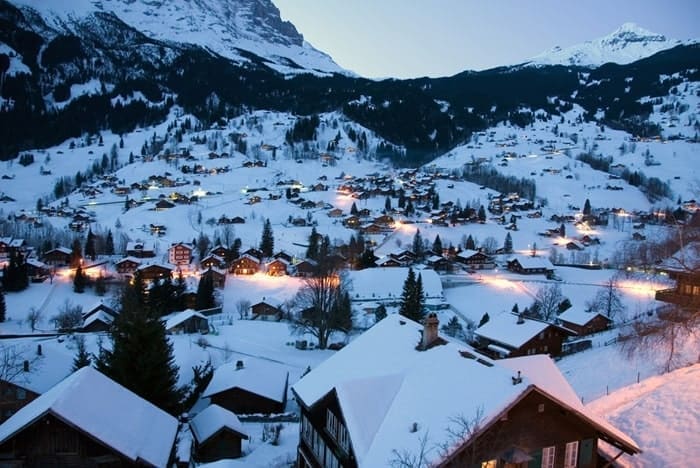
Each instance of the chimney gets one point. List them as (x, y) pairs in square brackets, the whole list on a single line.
[(518, 379), (239, 365), (521, 320), (430, 330), (38, 350)]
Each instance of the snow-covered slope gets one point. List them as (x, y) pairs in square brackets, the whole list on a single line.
[(226, 27), (626, 44)]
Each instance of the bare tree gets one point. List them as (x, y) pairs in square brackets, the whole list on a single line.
[(547, 300), (463, 430), (608, 299), (33, 317), (410, 459), (69, 316), (490, 244), (242, 306), (323, 306), (15, 363)]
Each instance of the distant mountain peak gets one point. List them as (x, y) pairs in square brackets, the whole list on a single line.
[(223, 26), (628, 43)]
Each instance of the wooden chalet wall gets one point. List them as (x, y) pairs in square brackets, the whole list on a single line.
[(223, 445), (530, 430), (12, 398), (241, 401)]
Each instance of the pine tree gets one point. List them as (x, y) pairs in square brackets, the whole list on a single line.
[(412, 300), (481, 215), (267, 241), (587, 207), (417, 245), (109, 243), (100, 286), (90, 250), (79, 281), (3, 306), (205, 292), (236, 248), (562, 230), (76, 253), (484, 318), (82, 357), (353, 209), (508, 243), (15, 277), (470, 244), (379, 313), (387, 205), (437, 245), (324, 250), (141, 358), (312, 249)]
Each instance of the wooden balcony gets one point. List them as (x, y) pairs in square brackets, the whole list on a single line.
[(674, 297)]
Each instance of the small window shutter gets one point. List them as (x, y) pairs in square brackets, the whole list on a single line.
[(536, 461), (585, 452)]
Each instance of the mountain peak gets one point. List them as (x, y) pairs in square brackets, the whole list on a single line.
[(223, 26), (628, 43)]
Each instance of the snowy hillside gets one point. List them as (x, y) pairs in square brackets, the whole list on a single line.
[(228, 28), (626, 44)]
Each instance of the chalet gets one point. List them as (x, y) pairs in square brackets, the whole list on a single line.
[(257, 253), (180, 253), (684, 268), (384, 220), (584, 322), (127, 265), (256, 386), (284, 256), (221, 252), (475, 259), (574, 245), (98, 319), (5, 246), (305, 268), (363, 415), (235, 220), (218, 434), (389, 262), (153, 271), (266, 311), (528, 265), (188, 321), (141, 249), (212, 261), (60, 256), (638, 236), (278, 267), (511, 335), (405, 257), (373, 228), (246, 264), (335, 213), (163, 204), (438, 263), (352, 222), (589, 240), (36, 270), (218, 277), (88, 420)]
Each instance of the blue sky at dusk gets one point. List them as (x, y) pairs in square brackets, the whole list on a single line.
[(410, 38)]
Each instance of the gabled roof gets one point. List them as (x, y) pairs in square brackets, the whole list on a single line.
[(176, 318), (578, 316), (212, 420), (687, 259), (504, 328), (528, 262), (384, 385), (129, 259), (107, 412), (257, 376)]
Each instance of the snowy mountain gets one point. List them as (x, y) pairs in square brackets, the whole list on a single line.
[(626, 44), (230, 28)]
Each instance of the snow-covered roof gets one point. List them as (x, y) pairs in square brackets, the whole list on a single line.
[(213, 419), (384, 386), (686, 259), (468, 253), (101, 316), (530, 262), (106, 411), (374, 284), (176, 318), (504, 328), (257, 376), (578, 316), (129, 258)]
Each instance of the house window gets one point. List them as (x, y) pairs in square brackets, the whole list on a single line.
[(548, 457), (489, 464), (21, 394), (571, 454), (540, 408)]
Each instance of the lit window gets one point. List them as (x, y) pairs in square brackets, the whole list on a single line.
[(548, 454), (489, 464), (571, 455)]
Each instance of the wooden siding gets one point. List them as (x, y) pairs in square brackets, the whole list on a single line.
[(224, 444), (241, 401)]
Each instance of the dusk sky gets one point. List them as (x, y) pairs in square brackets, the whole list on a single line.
[(408, 38)]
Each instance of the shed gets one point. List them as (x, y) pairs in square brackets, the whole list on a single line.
[(218, 434)]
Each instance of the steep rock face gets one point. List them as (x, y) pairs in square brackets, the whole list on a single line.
[(626, 44), (231, 28)]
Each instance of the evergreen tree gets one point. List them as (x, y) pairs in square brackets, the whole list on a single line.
[(205, 292), (236, 248), (437, 245), (79, 281), (453, 328), (76, 253), (409, 207), (141, 358), (100, 286), (82, 357), (562, 230), (387, 205), (481, 215), (402, 198), (15, 276), (470, 244), (436, 201), (508, 243), (379, 313), (312, 249), (90, 249), (417, 245), (367, 259), (324, 250), (353, 209), (587, 207), (267, 241), (412, 297), (3, 306), (109, 243)]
